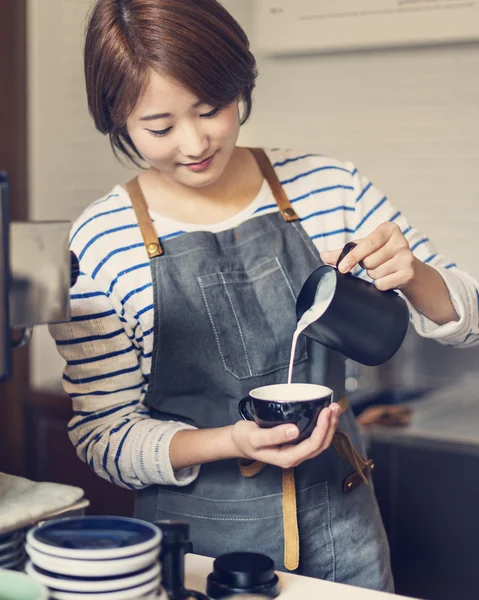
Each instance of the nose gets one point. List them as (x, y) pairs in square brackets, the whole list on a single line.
[(194, 142)]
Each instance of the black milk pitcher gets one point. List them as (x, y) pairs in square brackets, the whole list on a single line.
[(360, 321)]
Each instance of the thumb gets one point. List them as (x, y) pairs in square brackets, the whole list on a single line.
[(330, 257), (280, 434)]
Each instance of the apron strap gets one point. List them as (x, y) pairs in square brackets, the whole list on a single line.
[(345, 448), (148, 231), (282, 200)]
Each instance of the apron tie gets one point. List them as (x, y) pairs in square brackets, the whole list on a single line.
[(344, 446)]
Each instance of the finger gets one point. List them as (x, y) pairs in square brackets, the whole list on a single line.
[(333, 424), (330, 257), (386, 233), (365, 248), (276, 436), (310, 446), (388, 267), (391, 282)]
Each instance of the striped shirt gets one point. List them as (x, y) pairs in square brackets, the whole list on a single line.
[(108, 344)]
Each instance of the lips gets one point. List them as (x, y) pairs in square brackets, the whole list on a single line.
[(195, 164), (200, 166)]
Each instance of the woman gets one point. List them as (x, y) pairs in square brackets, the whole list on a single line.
[(187, 292)]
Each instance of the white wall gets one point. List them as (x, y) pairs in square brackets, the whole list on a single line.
[(408, 118), (70, 164)]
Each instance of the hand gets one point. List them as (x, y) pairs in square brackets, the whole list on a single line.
[(273, 446), (385, 254)]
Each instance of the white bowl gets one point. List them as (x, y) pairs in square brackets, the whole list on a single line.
[(75, 585), (137, 592), (95, 537), (92, 568)]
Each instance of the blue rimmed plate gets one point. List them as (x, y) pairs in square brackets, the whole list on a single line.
[(11, 535), (72, 584), (147, 590), (80, 567), (94, 538)]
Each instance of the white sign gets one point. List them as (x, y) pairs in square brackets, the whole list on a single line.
[(302, 26)]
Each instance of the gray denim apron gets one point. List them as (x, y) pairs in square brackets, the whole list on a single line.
[(223, 325)]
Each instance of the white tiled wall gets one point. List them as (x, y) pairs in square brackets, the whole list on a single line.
[(408, 118)]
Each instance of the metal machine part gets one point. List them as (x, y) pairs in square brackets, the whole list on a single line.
[(5, 347), (36, 273)]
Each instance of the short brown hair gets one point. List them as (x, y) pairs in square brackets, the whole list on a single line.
[(196, 42)]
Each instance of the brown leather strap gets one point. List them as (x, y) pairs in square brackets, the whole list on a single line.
[(290, 518), (355, 479), (344, 446), (290, 521), (148, 231), (250, 468), (287, 211)]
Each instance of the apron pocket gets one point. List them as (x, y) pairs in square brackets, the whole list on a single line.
[(218, 526), (253, 316)]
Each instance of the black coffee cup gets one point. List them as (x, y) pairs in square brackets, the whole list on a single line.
[(360, 321), (297, 403)]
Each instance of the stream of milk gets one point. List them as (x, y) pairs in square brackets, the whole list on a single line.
[(322, 299)]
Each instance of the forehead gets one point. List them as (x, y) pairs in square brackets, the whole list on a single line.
[(163, 94)]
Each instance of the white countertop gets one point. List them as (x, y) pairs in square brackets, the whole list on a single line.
[(293, 587)]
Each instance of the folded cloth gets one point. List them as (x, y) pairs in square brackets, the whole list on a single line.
[(24, 502)]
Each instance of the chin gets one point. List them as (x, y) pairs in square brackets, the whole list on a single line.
[(196, 182)]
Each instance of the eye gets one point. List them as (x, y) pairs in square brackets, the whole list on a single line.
[(210, 114), (160, 132)]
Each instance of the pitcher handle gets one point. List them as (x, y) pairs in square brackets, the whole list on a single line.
[(243, 409), (346, 250)]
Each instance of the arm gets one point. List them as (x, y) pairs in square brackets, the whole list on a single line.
[(442, 299), (111, 429), (428, 293)]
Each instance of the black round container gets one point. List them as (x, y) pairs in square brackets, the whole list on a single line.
[(242, 573)]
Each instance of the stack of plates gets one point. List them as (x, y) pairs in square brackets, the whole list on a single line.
[(12, 553), (93, 558)]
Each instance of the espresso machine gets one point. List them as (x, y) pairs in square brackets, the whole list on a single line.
[(36, 273)]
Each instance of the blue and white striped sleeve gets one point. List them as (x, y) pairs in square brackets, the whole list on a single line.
[(373, 208), (111, 428)]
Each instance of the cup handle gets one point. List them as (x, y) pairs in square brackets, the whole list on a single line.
[(243, 409), (346, 250)]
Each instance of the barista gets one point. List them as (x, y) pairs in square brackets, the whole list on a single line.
[(186, 298)]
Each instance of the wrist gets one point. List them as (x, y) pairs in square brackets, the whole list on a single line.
[(234, 438), (230, 445), (410, 289)]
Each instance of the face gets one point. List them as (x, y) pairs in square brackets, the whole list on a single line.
[(180, 136)]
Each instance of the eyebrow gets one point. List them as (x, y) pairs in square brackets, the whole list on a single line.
[(167, 115)]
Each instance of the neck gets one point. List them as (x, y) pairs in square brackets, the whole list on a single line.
[(233, 191)]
